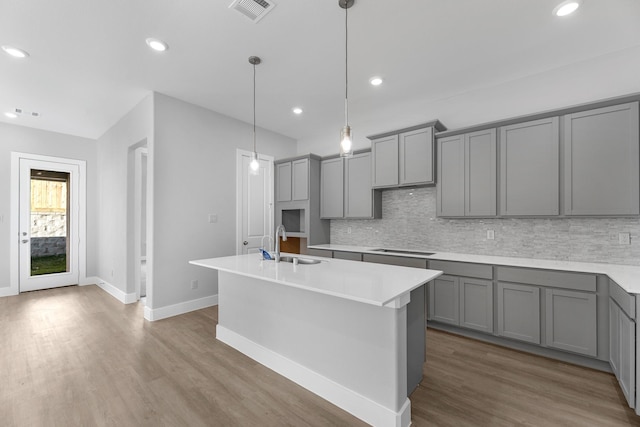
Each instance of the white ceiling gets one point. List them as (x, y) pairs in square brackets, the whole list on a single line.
[(89, 63)]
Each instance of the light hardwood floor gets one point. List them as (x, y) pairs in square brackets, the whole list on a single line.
[(77, 357)]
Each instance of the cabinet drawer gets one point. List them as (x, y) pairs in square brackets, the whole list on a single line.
[(395, 260), (352, 256), (627, 302), (320, 252), (556, 279), (466, 269)]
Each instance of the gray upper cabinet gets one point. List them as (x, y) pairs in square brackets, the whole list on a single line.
[(300, 179), (292, 180), (450, 188), (283, 182), (416, 157), (404, 157), (467, 175), (360, 201), (345, 190), (571, 322), (601, 156), (385, 161), (332, 188), (519, 312), (529, 168)]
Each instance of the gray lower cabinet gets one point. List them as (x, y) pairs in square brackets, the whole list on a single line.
[(519, 312), (601, 161), (351, 256), (476, 304), (622, 340), (462, 301), (571, 321), (529, 168), (444, 300), (320, 252)]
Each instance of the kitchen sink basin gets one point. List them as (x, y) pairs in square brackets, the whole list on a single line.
[(398, 251), (305, 261)]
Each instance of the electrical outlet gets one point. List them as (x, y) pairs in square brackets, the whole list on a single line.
[(1, 219), (213, 218), (194, 284), (491, 235), (348, 230), (624, 238)]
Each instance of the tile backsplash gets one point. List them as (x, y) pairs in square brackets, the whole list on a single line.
[(409, 221)]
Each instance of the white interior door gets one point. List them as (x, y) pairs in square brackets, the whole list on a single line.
[(254, 204), (49, 226)]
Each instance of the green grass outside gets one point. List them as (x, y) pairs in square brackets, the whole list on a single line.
[(48, 265)]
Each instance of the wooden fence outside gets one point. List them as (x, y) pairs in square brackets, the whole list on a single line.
[(48, 196)]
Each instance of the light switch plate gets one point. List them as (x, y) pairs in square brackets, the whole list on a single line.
[(624, 238), (213, 218), (491, 235)]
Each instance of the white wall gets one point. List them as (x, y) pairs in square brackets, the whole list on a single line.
[(599, 78), (113, 151), (33, 141), (193, 167)]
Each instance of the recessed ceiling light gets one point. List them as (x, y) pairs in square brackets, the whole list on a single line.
[(297, 110), (157, 45), (11, 115), (567, 7), (375, 81), (15, 52)]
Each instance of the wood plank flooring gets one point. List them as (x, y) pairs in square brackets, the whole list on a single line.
[(77, 357)]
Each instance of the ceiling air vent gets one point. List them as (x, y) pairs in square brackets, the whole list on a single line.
[(253, 9)]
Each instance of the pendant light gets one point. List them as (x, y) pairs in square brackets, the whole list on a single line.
[(254, 165), (346, 141)]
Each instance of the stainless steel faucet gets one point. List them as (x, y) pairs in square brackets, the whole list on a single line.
[(284, 238)]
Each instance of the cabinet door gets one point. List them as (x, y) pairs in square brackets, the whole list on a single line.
[(300, 179), (476, 304), (571, 322), (627, 371), (519, 312), (331, 188), (416, 157), (444, 300), (601, 155), (283, 182), (480, 173), (358, 193), (384, 152), (614, 337), (450, 186), (529, 168)]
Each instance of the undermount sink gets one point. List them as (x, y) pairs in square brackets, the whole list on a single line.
[(305, 261), (398, 251)]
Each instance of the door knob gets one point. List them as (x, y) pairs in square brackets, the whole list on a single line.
[(245, 243), (25, 240)]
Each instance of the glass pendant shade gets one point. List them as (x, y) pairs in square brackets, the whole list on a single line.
[(254, 164), (346, 143)]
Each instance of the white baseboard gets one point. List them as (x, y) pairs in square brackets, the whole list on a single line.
[(354, 403), (91, 280), (7, 292), (180, 308), (115, 292)]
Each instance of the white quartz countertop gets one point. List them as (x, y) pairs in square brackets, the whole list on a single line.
[(627, 276), (376, 284)]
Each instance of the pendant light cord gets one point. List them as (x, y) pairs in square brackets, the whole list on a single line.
[(346, 64), (254, 108)]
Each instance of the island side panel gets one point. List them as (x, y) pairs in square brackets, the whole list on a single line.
[(416, 337), (359, 346)]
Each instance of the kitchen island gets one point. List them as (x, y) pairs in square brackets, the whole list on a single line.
[(350, 332)]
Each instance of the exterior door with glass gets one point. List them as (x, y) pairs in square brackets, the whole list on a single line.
[(48, 224)]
